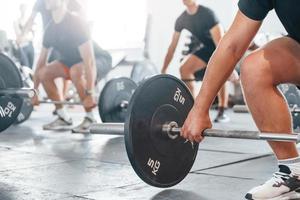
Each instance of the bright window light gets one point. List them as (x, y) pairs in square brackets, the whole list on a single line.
[(118, 24)]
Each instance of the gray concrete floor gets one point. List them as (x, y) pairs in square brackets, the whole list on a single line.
[(37, 164)]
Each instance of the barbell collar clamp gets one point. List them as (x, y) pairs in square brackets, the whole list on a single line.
[(124, 104)]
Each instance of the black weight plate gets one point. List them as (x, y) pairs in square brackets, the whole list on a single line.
[(113, 94), (9, 78), (157, 159), (9, 110), (26, 108), (9, 73), (142, 70)]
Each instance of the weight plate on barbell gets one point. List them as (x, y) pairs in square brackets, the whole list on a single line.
[(157, 159), (26, 108), (10, 76), (114, 93), (9, 105)]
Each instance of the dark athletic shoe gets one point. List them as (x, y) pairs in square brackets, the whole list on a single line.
[(222, 118)]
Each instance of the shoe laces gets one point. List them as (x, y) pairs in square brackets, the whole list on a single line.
[(279, 178)]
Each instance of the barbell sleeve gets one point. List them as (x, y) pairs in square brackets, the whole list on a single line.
[(25, 92), (124, 104), (108, 129)]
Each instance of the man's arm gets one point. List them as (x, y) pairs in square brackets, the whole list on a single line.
[(217, 33), (87, 54), (230, 49), (42, 61), (171, 51)]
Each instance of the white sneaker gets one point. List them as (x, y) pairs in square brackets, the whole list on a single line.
[(84, 126), (281, 186), (59, 124)]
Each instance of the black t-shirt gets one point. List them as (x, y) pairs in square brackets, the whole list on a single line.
[(66, 38), (199, 24), (40, 7), (288, 12)]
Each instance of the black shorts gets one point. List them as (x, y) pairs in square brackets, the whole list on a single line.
[(204, 54)]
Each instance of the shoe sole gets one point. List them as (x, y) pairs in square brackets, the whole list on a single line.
[(81, 131)]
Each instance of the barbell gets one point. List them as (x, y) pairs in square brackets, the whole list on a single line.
[(156, 112)]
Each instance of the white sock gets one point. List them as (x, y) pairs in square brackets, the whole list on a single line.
[(293, 164), (90, 115), (63, 114)]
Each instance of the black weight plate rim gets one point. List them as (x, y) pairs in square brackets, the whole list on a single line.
[(128, 143), (18, 79), (106, 91)]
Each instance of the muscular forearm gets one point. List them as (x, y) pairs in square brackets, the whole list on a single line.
[(219, 69), (90, 74), (167, 60), (36, 77)]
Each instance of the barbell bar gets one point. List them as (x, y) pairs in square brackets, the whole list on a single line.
[(24, 92), (170, 130)]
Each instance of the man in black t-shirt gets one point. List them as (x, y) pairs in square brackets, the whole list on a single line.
[(275, 63), (202, 23), (69, 35), (40, 8)]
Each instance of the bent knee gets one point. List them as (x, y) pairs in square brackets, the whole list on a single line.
[(255, 68)]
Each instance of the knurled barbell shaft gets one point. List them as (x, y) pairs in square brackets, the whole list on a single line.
[(118, 129), (25, 92)]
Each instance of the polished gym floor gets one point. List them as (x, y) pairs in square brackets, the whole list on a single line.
[(37, 164)]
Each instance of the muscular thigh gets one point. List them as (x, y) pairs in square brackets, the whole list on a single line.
[(283, 57), (77, 71), (55, 69), (192, 63)]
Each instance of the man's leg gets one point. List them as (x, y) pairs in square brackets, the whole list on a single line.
[(188, 68), (78, 79), (47, 75), (277, 62)]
